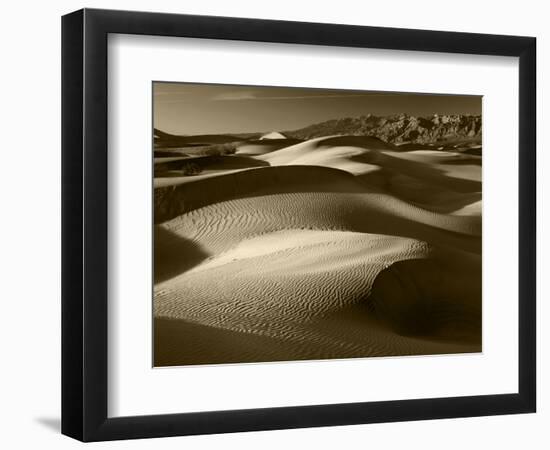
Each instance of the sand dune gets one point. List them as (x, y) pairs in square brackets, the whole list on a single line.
[(425, 177), (291, 192), (166, 140), (263, 146), (182, 170), (273, 135), (340, 246), (471, 209), (317, 150), (408, 146), (309, 296), (361, 155)]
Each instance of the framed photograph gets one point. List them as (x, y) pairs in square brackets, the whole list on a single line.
[(273, 224)]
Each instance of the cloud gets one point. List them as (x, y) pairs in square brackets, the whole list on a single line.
[(236, 95), (171, 93), (255, 95), (250, 95), (305, 97)]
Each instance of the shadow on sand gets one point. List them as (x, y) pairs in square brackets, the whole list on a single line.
[(174, 254), (180, 342), (424, 298)]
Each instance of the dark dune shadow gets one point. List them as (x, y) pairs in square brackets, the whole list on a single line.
[(168, 154), (268, 144), (367, 142), (171, 201), (419, 170), (163, 139), (174, 254), (296, 178), (447, 207), (463, 162), (356, 324), (431, 197), (234, 162), (172, 174), (338, 334), (430, 299), (179, 342), (403, 227), (180, 167), (409, 147), (472, 151)]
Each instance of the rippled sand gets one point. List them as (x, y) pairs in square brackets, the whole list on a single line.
[(332, 248)]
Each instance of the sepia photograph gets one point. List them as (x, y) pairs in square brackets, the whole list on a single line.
[(296, 223)]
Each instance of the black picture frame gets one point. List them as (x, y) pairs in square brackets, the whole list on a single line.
[(84, 224)]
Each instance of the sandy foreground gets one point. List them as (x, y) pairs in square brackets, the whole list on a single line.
[(335, 247)]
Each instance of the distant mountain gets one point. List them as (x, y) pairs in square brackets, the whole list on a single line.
[(397, 129)]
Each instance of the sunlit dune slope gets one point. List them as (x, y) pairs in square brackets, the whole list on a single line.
[(426, 177), (302, 195), (334, 247), (273, 135), (301, 294), (361, 155), (263, 146)]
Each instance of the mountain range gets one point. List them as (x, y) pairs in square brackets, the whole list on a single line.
[(401, 128)]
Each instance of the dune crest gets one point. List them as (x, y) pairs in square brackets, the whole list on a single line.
[(273, 135), (336, 246), (297, 290)]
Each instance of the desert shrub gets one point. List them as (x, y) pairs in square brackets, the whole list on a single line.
[(221, 149), (213, 150), (191, 168)]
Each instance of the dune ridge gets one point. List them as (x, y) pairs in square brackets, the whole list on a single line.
[(292, 191), (339, 246), (305, 291)]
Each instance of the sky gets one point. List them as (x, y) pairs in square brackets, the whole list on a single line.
[(185, 108)]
